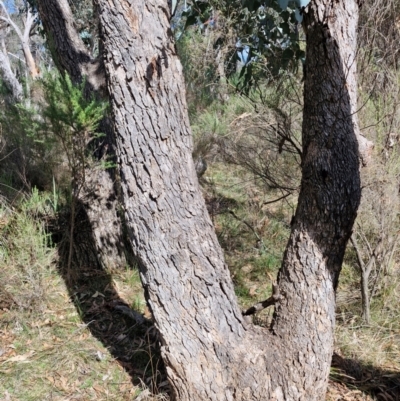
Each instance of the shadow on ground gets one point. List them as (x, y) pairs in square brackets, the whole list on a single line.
[(350, 378), (130, 338)]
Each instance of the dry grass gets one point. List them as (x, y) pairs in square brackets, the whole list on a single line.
[(47, 349), (368, 357), (366, 365), (73, 341)]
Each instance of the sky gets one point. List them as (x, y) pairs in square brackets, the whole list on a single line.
[(10, 6)]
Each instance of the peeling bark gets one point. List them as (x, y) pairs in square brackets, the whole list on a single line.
[(209, 351)]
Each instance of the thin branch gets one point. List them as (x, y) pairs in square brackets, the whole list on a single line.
[(18, 58), (8, 19), (358, 252), (8, 154), (272, 300), (278, 199), (246, 223), (361, 233), (366, 268)]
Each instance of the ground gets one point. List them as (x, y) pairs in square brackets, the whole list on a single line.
[(89, 336)]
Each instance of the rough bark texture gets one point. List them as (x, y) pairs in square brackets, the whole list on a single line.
[(99, 194), (209, 352), (69, 51), (329, 197), (186, 281)]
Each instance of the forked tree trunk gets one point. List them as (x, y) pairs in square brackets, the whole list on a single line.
[(209, 351), (99, 195), (8, 75)]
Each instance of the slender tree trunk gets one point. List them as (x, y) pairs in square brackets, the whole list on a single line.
[(209, 351), (365, 297), (30, 61), (69, 52), (8, 76), (365, 271), (25, 39), (99, 196)]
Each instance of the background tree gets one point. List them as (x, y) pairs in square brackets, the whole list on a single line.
[(98, 197), (10, 23), (23, 36)]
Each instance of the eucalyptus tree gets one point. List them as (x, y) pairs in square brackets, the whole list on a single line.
[(21, 25), (210, 351), (24, 35)]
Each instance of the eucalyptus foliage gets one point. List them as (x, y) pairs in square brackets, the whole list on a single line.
[(268, 31)]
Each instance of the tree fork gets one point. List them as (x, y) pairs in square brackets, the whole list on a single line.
[(209, 351)]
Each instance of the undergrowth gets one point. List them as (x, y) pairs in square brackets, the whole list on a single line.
[(47, 349), (92, 338)]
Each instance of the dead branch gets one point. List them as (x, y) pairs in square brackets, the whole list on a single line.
[(272, 300)]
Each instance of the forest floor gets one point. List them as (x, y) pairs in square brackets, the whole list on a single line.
[(52, 350), (90, 336)]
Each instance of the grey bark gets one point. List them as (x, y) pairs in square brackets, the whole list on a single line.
[(99, 195), (209, 351), (9, 78), (365, 271), (7, 74), (69, 52), (24, 37)]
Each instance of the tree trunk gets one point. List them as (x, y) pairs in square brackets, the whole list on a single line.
[(30, 61), (24, 37), (209, 351), (25, 42), (99, 195), (69, 52), (8, 76)]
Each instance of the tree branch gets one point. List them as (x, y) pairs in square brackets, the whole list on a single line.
[(272, 300), (358, 252), (8, 19), (245, 223), (277, 200)]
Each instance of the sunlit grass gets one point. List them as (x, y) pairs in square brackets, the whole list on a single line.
[(46, 351)]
